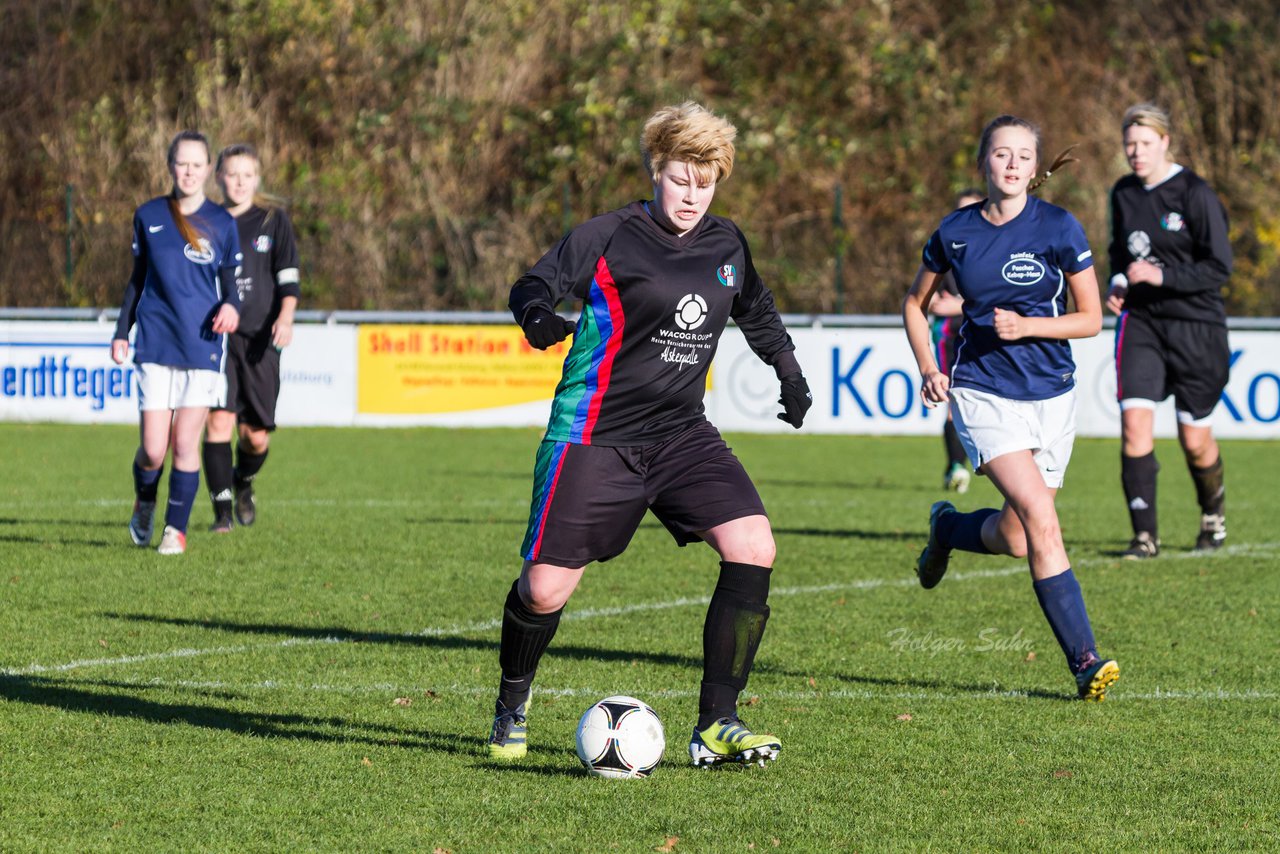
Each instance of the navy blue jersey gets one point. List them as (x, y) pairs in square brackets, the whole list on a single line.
[(269, 271), (654, 307), (1020, 266), (176, 289)]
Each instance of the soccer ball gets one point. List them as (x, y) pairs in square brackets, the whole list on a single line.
[(620, 737)]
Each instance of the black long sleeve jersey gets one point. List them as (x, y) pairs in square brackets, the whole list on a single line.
[(1180, 226), (654, 307), (269, 271)]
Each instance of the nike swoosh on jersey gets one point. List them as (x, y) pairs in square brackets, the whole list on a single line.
[(955, 245), (154, 228)]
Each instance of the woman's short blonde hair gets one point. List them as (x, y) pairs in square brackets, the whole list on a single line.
[(1147, 116), (692, 134)]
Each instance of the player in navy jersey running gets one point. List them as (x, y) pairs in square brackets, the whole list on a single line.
[(1170, 258), (947, 311), (1011, 390), (268, 288), (182, 298), (659, 280)]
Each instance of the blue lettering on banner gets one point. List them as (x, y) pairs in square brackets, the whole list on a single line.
[(844, 380), (54, 377), (1226, 400), (1253, 397)]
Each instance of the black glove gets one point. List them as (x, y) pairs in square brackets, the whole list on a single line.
[(543, 329), (795, 399)]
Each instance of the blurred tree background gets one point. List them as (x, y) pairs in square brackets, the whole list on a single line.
[(431, 150)]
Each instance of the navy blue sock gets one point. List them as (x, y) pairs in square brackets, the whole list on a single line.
[(1063, 606), (146, 483), (963, 531), (183, 486)]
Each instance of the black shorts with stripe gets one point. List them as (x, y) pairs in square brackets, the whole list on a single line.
[(1188, 359), (588, 500), (253, 380)]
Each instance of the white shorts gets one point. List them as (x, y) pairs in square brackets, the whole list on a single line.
[(991, 426), (163, 387)]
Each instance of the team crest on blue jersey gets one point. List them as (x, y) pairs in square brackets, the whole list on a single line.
[(727, 275), (1172, 221), (1023, 269), (262, 243), (203, 255)]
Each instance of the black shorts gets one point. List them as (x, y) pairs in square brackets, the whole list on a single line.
[(1186, 358), (588, 500), (253, 380)]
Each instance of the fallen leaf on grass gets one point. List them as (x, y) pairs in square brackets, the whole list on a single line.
[(1061, 773), (1031, 656), (402, 701), (751, 701), (430, 694), (102, 642), (813, 683), (1253, 612), (441, 851), (669, 845), (905, 716), (366, 762)]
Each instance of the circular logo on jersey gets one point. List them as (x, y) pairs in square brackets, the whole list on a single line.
[(1023, 269), (203, 255), (691, 312), (727, 275), (1172, 221), (262, 243), (1139, 244)]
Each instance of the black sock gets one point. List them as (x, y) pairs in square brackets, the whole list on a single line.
[(955, 450), (525, 636), (248, 466), (146, 483), (1211, 492), (217, 476), (730, 636), (1138, 474)]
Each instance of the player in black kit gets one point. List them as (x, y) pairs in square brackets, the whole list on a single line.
[(659, 280), (1170, 258), (268, 285)]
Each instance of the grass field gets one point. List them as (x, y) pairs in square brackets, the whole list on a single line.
[(324, 680)]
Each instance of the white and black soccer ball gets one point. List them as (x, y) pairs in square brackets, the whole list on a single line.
[(620, 737)]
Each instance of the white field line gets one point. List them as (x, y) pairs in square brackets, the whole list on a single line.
[(594, 613), (417, 691)]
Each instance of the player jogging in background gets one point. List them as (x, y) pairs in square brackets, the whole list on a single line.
[(947, 310), (1170, 258), (659, 280), (1012, 389), (268, 288), (182, 298)]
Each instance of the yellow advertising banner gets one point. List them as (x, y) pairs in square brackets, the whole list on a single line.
[(407, 369)]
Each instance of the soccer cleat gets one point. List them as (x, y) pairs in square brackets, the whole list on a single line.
[(142, 523), (1213, 532), (507, 740), (172, 541), (932, 563), (246, 506), (729, 740), (1143, 546), (956, 479), (223, 523), (1092, 682)]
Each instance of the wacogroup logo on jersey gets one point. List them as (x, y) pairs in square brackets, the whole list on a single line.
[(203, 255), (1172, 221), (1023, 269), (727, 275), (1139, 244), (262, 243), (691, 312)]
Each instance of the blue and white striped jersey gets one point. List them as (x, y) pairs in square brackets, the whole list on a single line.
[(1019, 266)]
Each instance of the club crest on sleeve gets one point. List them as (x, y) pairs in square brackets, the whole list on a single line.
[(728, 275)]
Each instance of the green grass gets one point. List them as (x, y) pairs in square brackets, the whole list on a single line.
[(243, 696)]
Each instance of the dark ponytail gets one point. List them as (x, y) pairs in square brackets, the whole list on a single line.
[(1058, 162)]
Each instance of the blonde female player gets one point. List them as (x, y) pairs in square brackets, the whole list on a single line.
[(182, 298), (1011, 390)]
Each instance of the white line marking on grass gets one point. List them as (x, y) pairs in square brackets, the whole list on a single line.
[(1259, 549), (841, 694)]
